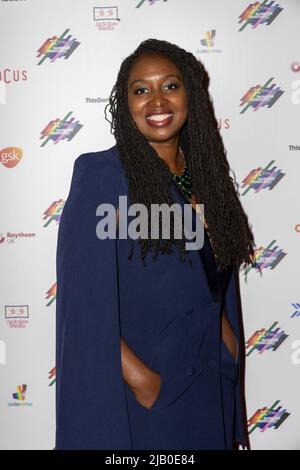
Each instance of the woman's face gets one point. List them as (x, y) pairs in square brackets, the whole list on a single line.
[(157, 98)]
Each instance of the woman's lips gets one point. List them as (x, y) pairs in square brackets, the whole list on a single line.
[(159, 120)]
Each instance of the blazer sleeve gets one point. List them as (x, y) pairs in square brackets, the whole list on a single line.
[(231, 308), (91, 405)]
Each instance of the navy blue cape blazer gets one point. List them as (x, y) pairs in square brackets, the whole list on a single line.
[(168, 313)]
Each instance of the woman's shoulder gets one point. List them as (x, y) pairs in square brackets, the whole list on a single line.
[(97, 173), (107, 160)]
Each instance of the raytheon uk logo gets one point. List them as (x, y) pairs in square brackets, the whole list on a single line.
[(265, 339), (260, 96), (267, 418), (11, 156), (259, 13), (60, 129), (262, 178), (268, 257), (54, 48), (54, 211)]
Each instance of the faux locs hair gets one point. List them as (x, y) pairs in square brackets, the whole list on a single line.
[(148, 175)]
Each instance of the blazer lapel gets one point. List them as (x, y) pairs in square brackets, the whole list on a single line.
[(206, 252)]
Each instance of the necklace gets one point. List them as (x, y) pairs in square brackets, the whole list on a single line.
[(184, 183), (184, 180)]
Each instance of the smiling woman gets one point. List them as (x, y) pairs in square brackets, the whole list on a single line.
[(148, 345), (158, 105)]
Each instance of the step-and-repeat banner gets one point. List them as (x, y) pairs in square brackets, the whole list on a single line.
[(59, 60)]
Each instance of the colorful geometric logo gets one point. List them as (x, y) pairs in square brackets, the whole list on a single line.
[(262, 178), (297, 311), (209, 38), (58, 47), (52, 376), (10, 156), (266, 418), (259, 13), (51, 294), (268, 257), (150, 2), (259, 96), (265, 339), (20, 395), (60, 129), (54, 212)]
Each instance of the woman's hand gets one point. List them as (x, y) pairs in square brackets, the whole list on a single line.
[(148, 391)]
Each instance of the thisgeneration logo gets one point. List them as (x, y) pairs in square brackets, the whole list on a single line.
[(11, 156), (57, 47), (267, 418), (60, 129), (259, 13), (19, 397), (267, 257), (262, 178), (17, 316), (105, 18), (51, 295), (260, 96), (266, 339), (53, 213)]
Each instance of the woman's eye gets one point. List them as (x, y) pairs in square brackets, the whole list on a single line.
[(139, 89), (171, 85)]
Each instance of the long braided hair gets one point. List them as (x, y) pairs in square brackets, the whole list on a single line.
[(149, 176)]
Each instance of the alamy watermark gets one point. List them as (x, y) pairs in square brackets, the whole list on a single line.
[(107, 227)]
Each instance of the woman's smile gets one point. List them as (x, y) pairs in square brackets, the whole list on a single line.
[(159, 120)]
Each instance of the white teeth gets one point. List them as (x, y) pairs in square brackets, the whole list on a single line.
[(158, 117)]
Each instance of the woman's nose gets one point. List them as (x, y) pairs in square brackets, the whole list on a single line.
[(158, 98)]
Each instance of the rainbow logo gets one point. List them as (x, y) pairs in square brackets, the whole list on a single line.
[(268, 257), (51, 294), (265, 339), (259, 13), (260, 96), (20, 393), (54, 48), (266, 418), (52, 376), (209, 37), (54, 212), (262, 178), (60, 129)]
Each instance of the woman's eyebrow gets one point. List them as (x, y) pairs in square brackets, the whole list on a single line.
[(138, 80)]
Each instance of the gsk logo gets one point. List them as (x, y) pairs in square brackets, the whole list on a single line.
[(11, 156)]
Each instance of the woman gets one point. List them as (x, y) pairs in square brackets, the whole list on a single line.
[(147, 352)]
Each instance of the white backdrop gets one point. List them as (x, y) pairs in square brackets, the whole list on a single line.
[(59, 60)]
